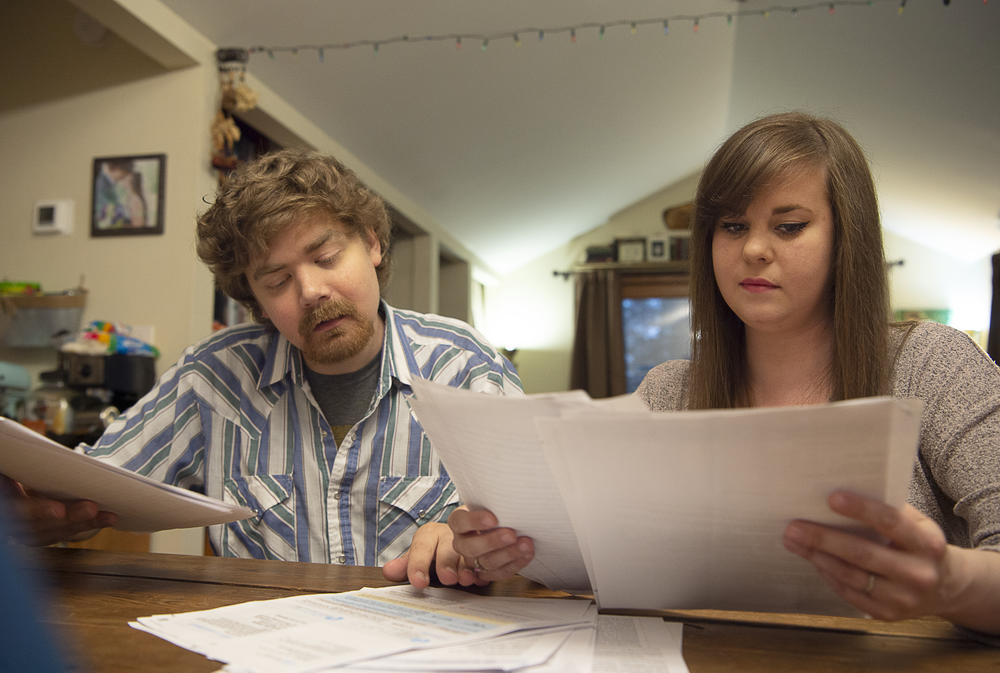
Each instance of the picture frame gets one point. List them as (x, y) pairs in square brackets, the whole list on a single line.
[(658, 249), (127, 195), (630, 250)]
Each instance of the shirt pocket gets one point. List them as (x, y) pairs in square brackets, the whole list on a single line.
[(271, 532), (406, 503)]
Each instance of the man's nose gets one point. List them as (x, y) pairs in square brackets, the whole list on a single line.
[(314, 287)]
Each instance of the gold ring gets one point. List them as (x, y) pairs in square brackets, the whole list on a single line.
[(479, 566), (871, 584)]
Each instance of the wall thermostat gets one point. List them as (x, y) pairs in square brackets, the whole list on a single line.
[(53, 217)]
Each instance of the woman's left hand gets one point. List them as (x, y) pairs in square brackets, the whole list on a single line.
[(913, 574)]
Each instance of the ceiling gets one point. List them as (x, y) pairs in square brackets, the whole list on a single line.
[(515, 149)]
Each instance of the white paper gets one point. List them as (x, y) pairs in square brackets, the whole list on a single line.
[(638, 645), (513, 651), (687, 509), (141, 504), (316, 632), (493, 453)]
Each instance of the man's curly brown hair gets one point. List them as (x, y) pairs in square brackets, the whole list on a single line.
[(264, 196)]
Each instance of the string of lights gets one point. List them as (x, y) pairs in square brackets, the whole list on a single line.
[(519, 35)]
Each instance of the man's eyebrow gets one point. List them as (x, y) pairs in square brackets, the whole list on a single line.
[(321, 240), (318, 243)]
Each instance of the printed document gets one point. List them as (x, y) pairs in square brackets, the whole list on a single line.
[(141, 504), (316, 632), (672, 510)]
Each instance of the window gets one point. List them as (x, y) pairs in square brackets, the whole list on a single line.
[(656, 322)]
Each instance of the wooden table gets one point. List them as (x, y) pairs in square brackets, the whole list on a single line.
[(95, 594)]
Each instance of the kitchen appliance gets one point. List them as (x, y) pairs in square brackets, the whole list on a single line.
[(15, 382), (80, 398)]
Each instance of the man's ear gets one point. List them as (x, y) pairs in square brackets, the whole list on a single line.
[(374, 247)]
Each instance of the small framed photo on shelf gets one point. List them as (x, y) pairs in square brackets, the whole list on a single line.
[(630, 250), (658, 249), (127, 195)]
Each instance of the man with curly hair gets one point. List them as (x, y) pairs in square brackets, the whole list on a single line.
[(303, 416)]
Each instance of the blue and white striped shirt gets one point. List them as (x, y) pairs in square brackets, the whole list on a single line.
[(236, 420)]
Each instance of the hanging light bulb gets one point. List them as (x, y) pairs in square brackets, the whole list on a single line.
[(458, 42), (572, 35), (902, 6), (633, 29), (695, 26), (600, 33), (666, 27), (517, 40), (486, 43)]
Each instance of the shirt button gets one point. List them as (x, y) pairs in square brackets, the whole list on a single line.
[(341, 559), (422, 513), (336, 495)]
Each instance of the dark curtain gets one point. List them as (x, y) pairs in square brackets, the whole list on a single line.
[(993, 341), (598, 361)]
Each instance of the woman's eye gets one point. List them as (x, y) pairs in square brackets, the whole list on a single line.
[(791, 227), (732, 227), (326, 261)]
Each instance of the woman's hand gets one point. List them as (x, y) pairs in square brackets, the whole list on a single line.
[(490, 553), (915, 573)]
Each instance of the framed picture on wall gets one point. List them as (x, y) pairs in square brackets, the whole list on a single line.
[(127, 195)]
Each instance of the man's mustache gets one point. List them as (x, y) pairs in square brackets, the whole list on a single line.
[(330, 310)]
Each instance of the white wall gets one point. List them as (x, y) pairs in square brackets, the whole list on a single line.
[(49, 148), (532, 310), (932, 279)]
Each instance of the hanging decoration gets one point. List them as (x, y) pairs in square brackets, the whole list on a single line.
[(234, 97), (695, 21)]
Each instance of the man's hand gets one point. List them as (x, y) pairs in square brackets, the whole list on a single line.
[(432, 543), (490, 553), (39, 521)]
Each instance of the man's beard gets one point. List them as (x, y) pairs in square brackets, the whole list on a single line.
[(340, 343)]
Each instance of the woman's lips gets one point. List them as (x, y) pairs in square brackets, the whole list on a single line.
[(757, 285)]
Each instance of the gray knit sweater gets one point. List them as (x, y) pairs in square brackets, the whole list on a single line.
[(956, 478)]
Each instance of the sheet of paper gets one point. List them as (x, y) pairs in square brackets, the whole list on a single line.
[(521, 651), (638, 645), (687, 509), (493, 453), (315, 632), (141, 504)]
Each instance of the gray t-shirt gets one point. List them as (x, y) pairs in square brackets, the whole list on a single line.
[(345, 398), (956, 478)]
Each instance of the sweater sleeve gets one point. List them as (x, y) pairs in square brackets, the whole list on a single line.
[(960, 427)]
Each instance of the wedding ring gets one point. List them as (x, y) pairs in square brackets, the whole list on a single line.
[(479, 566), (871, 584)]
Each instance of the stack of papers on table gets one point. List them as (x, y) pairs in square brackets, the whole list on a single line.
[(669, 510), (405, 629), (141, 504)]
